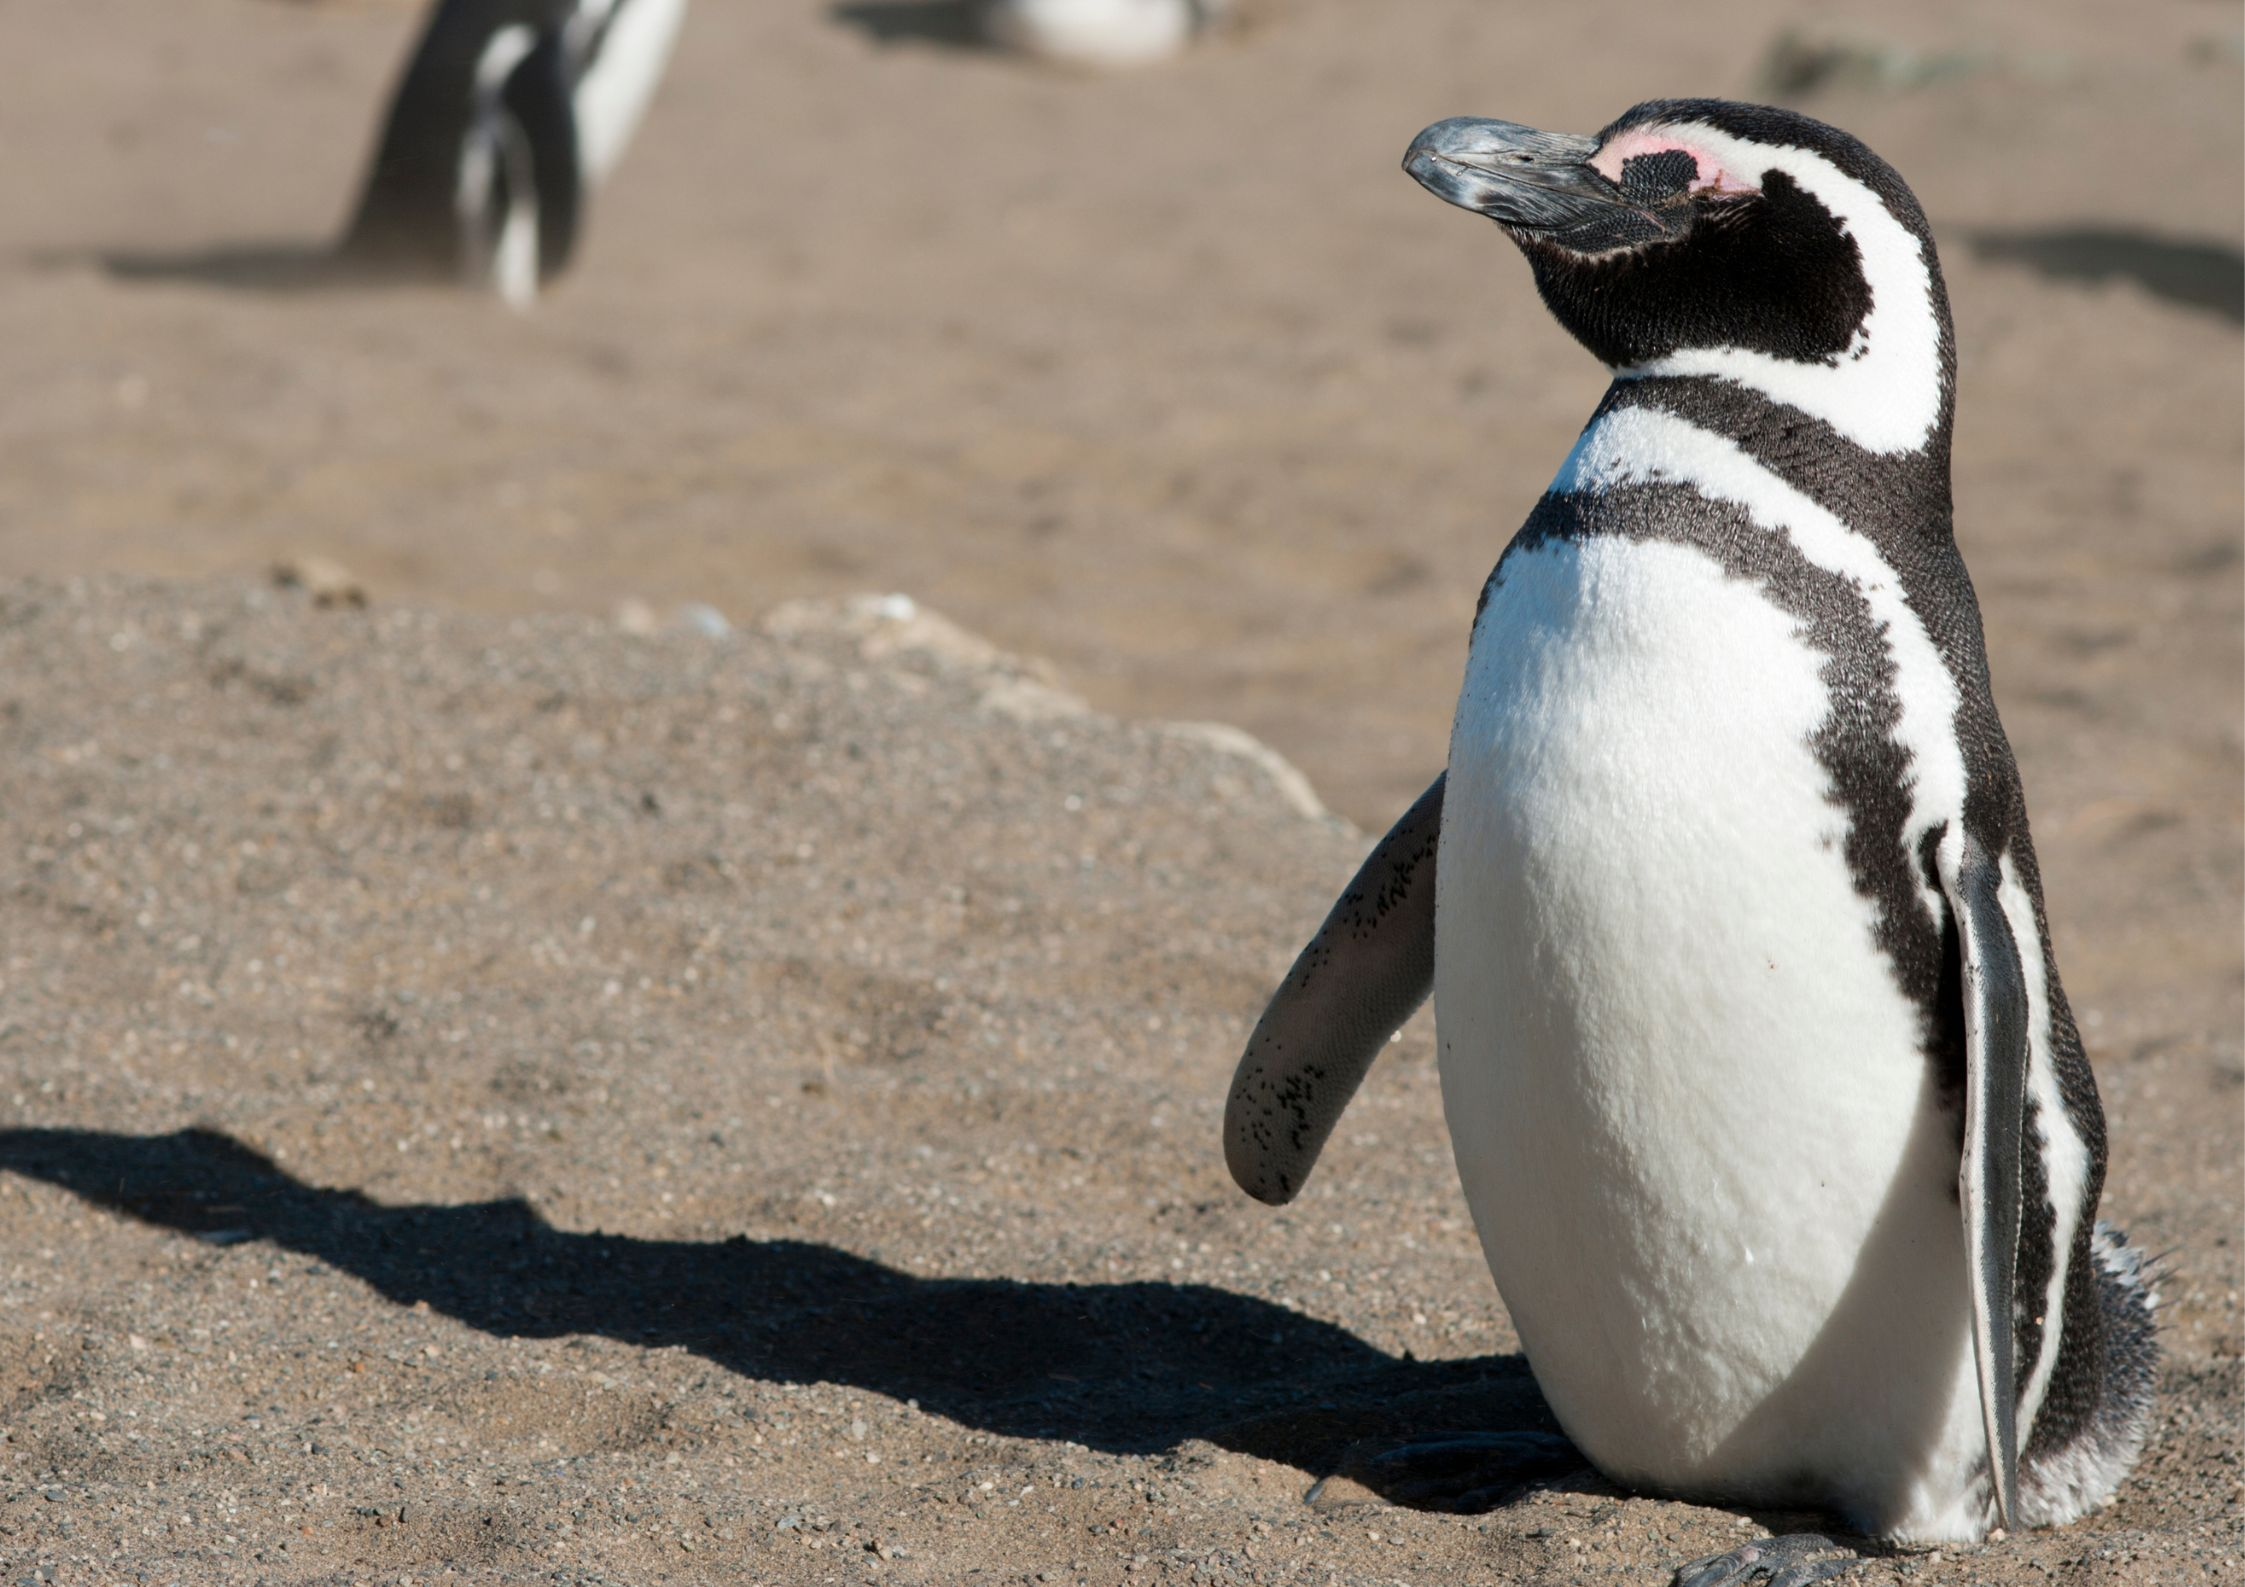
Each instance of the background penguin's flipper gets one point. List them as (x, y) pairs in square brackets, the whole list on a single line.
[(1995, 1067), (539, 96), (1365, 972)]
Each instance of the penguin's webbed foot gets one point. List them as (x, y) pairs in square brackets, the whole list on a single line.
[(1459, 1473), (1780, 1561)]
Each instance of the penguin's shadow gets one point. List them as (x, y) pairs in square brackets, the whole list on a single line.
[(2200, 275), (247, 267), (1133, 1368), (275, 268), (952, 24)]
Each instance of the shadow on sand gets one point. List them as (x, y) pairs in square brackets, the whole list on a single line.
[(277, 268), (1129, 1368), (951, 23), (249, 267), (2199, 275)]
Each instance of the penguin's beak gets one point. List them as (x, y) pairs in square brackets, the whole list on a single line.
[(1527, 181)]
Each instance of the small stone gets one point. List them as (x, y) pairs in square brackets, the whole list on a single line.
[(328, 582), (697, 617)]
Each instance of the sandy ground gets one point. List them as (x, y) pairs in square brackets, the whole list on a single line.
[(514, 1101), (505, 1096)]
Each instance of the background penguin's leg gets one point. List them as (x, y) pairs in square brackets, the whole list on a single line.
[(1995, 1090), (1365, 972), (538, 97)]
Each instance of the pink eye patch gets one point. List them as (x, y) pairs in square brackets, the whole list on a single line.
[(1641, 141)]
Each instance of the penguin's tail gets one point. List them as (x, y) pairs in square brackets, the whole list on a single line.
[(2078, 1475)]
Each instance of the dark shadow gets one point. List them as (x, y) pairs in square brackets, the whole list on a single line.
[(1130, 1368), (950, 23), (253, 267), (273, 268), (2199, 275)]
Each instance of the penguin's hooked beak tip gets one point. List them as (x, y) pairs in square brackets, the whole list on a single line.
[(1528, 181)]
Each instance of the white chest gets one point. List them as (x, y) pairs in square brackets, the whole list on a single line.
[(1703, 1150)]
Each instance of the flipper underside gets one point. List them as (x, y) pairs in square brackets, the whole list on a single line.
[(1365, 972)]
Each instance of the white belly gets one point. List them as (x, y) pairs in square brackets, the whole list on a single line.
[(613, 96), (1704, 1152)]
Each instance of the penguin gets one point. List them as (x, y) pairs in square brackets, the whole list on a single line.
[(1100, 33), (509, 114), (1766, 1099)]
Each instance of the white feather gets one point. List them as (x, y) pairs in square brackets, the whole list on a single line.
[(612, 97)]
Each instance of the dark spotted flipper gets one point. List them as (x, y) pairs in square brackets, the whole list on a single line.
[(1365, 972)]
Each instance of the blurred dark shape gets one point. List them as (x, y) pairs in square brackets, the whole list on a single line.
[(2199, 275), (1130, 1368), (477, 173), (1796, 66), (956, 24), (509, 114)]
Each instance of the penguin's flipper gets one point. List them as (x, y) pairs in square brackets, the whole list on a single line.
[(1995, 1089), (1365, 972), (538, 95)]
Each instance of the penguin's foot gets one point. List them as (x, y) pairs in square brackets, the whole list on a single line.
[(1462, 1473), (1780, 1561)]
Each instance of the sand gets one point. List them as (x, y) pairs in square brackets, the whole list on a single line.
[(491, 1092)]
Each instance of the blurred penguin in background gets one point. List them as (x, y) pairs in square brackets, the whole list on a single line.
[(509, 114), (1100, 33)]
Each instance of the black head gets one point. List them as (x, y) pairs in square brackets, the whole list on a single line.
[(1689, 231)]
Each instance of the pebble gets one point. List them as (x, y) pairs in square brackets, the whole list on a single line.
[(327, 581), (697, 618)]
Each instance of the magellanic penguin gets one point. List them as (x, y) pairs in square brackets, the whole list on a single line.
[(1767, 1102), (509, 114), (1100, 33)]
